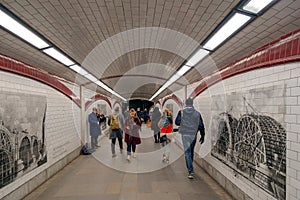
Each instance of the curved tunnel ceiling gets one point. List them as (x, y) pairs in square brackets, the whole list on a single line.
[(78, 27)]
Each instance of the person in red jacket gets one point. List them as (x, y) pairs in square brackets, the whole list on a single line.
[(166, 131), (132, 136)]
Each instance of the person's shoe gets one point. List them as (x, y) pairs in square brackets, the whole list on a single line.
[(190, 175), (92, 150), (128, 158), (134, 155), (167, 159), (121, 151), (114, 155), (97, 146)]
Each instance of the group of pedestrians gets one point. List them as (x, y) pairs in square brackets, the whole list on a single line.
[(130, 125), (188, 119)]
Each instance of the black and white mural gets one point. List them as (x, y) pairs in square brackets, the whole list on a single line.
[(249, 136), (22, 134)]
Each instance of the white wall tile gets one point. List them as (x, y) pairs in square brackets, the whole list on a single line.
[(295, 72), (284, 107), (295, 91), (61, 132)]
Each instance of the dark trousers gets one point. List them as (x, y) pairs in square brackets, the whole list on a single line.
[(157, 136), (129, 147), (113, 144)]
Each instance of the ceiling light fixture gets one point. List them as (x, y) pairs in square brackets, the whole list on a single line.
[(102, 85), (256, 6), (174, 78), (183, 70), (197, 57), (13, 24), (15, 27), (57, 55), (79, 70), (237, 21), (91, 77), (243, 13)]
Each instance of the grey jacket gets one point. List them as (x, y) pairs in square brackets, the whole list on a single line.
[(190, 121)]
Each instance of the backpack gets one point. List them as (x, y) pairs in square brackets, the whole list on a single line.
[(84, 150), (114, 122)]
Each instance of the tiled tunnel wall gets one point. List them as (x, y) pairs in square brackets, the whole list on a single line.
[(268, 101), (251, 111), (266, 83), (39, 131)]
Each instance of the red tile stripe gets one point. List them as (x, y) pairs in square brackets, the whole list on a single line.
[(13, 66), (175, 98), (282, 50)]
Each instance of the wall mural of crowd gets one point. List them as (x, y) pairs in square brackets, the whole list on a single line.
[(22, 134), (250, 141)]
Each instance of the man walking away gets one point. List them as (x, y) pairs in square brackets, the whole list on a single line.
[(116, 123), (190, 122)]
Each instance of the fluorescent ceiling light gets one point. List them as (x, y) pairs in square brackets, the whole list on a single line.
[(78, 69), (232, 25), (167, 84), (15, 27), (197, 57), (157, 93), (255, 6), (58, 56), (91, 77), (173, 79), (183, 70), (99, 83)]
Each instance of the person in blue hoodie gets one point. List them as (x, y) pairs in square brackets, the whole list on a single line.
[(190, 122)]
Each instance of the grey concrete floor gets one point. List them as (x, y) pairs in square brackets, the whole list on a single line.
[(91, 177)]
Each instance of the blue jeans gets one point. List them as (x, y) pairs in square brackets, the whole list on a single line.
[(129, 147), (189, 142)]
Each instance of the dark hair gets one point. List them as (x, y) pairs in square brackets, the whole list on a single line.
[(189, 102)]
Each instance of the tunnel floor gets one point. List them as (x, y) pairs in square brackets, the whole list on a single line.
[(101, 177)]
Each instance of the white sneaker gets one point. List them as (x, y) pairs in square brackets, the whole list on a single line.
[(134, 155)]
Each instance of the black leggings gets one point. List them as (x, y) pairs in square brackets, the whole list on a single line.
[(113, 144), (157, 136), (120, 142)]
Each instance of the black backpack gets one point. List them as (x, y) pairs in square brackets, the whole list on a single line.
[(85, 150)]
